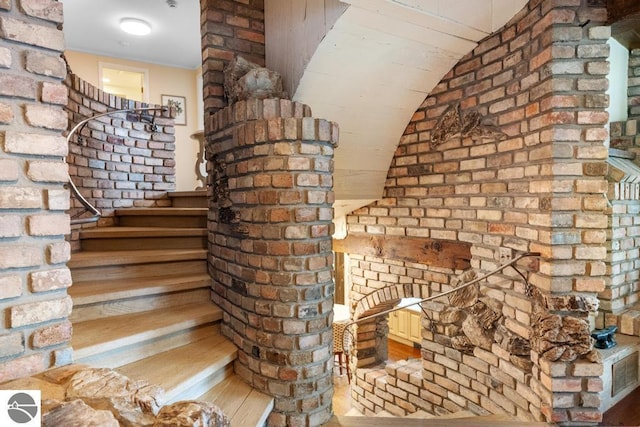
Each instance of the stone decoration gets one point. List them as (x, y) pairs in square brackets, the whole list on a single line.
[(561, 338), (136, 402), (78, 414), (475, 320), (455, 124), (76, 395), (245, 80), (190, 413)]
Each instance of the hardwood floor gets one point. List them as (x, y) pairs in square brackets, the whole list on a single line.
[(342, 390), (625, 413)]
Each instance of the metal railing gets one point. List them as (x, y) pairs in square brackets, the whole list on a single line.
[(511, 263), (88, 207)]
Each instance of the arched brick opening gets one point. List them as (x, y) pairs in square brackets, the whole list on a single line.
[(369, 337)]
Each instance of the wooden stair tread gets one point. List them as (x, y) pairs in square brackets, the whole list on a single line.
[(244, 405), (162, 211), (179, 369), (97, 336), (106, 290), (109, 258), (111, 232)]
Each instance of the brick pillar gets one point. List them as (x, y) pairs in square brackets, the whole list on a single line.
[(34, 330), (270, 173), (228, 27), (572, 225)]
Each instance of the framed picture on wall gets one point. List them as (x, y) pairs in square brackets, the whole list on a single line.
[(180, 105)]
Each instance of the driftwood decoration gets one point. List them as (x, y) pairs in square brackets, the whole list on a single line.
[(454, 124)]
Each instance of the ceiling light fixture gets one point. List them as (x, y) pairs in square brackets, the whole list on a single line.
[(135, 26)]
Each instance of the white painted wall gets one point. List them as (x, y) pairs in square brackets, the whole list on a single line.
[(162, 81), (618, 82)]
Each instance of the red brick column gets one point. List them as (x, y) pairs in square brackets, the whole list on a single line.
[(270, 173)]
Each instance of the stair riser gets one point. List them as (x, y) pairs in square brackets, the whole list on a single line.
[(179, 221), (139, 270), (136, 305), (144, 243), (189, 202), (138, 351)]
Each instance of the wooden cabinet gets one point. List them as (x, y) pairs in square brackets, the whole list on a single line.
[(405, 327)]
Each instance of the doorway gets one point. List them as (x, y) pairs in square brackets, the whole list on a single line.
[(125, 82)]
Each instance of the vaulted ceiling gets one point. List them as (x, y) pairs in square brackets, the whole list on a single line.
[(374, 67)]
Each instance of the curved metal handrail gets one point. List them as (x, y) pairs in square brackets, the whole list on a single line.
[(74, 190), (443, 294)]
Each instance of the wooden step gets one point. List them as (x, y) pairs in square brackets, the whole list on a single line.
[(99, 336), (188, 199), (157, 302), (138, 351), (162, 217), (244, 405), (180, 371), (142, 238), (111, 258), (130, 272), (96, 291)]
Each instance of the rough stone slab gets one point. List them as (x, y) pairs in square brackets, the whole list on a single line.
[(191, 413), (77, 413)]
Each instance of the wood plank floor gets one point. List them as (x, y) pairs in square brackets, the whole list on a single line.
[(625, 413)]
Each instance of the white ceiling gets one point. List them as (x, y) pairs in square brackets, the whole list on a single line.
[(92, 26)]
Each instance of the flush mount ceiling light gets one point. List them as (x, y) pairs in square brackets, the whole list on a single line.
[(134, 26)]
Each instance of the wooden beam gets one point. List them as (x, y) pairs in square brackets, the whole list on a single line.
[(436, 253), (621, 9)]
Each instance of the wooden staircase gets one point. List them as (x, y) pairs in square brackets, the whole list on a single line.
[(142, 307)]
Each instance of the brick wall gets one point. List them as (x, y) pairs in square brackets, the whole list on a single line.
[(120, 160), (270, 176), (622, 290), (634, 83), (527, 176), (34, 331), (228, 27)]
